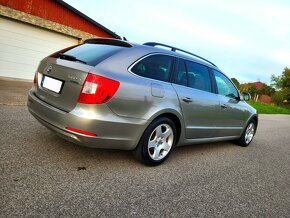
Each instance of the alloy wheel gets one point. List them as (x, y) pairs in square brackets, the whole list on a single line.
[(250, 131), (160, 142)]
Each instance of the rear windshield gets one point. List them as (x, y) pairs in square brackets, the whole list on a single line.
[(93, 54)]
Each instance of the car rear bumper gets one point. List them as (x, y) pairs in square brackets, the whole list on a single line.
[(112, 131)]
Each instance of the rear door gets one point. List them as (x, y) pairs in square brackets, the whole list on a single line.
[(199, 104)]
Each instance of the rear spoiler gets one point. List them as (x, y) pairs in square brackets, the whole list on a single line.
[(108, 41)]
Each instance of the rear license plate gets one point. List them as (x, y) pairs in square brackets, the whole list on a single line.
[(51, 84)]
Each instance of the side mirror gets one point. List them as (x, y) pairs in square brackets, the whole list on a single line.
[(245, 96), (238, 98)]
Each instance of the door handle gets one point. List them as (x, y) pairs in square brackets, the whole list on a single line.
[(223, 106), (187, 100)]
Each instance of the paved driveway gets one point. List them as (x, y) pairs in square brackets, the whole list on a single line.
[(43, 175)]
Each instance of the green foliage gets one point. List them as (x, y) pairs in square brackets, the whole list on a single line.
[(276, 81), (251, 88), (267, 90), (248, 87), (268, 109), (278, 97), (282, 83), (236, 82)]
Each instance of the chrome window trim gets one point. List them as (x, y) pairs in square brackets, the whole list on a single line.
[(215, 127), (169, 82)]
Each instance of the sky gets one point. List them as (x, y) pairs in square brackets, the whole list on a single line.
[(246, 39)]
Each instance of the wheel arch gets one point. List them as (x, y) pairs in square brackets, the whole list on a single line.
[(253, 117), (175, 117)]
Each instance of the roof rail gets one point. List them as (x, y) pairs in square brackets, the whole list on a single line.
[(108, 41), (153, 44)]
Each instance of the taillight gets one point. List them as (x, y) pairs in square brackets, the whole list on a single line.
[(97, 89)]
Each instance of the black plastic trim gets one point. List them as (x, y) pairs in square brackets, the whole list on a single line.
[(108, 41), (213, 81)]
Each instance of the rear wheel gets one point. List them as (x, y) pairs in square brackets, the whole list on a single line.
[(248, 134), (156, 142)]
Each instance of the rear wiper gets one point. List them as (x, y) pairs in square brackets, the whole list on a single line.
[(69, 58)]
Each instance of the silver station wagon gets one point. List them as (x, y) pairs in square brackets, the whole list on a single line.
[(148, 98)]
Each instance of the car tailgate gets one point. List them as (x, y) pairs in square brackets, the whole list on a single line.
[(59, 82)]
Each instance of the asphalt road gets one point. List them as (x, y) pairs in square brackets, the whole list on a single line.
[(42, 175)]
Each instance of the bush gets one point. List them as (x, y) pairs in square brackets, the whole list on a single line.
[(278, 98)]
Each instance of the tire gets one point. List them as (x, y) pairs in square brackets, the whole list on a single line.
[(248, 134), (157, 142)]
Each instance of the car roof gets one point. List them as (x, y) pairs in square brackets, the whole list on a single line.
[(183, 55), (150, 47)]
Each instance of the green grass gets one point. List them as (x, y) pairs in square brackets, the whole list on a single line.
[(268, 109)]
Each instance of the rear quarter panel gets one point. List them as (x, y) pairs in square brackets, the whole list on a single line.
[(134, 97)]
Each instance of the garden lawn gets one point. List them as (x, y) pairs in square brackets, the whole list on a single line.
[(268, 109)]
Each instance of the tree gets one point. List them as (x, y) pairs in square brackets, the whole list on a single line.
[(255, 93), (253, 90), (282, 83), (276, 81), (267, 90), (236, 82), (278, 97)]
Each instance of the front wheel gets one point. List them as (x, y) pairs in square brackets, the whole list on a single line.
[(248, 134), (156, 142)]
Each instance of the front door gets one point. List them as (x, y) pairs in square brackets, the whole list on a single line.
[(233, 111)]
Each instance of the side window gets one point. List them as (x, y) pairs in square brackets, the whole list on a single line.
[(198, 76), (155, 67), (224, 85)]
